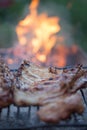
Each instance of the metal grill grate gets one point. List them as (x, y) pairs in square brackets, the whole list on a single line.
[(25, 117)]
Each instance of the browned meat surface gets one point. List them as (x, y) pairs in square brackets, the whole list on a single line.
[(62, 98), (29, 74), (57, 92), (6, 81), (54, 110)]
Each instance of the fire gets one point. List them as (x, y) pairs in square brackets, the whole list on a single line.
[(37, 32), (39, 42)]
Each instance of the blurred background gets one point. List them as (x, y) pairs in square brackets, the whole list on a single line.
[(72, 13)]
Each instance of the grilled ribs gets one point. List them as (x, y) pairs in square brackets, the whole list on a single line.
[(63, 97), (56, 91), (6, 83), (29, 74)]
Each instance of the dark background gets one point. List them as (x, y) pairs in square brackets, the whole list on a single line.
[(11, 10)]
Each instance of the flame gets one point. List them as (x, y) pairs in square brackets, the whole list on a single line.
[(37, 35), (36, 32)]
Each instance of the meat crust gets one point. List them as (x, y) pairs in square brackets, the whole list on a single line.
[(6, 81), (56, 92), (27, 76), (64, 98), (60, 108)]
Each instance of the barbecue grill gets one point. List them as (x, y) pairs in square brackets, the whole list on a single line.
[(15, 117)]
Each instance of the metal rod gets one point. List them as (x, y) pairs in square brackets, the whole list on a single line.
[(69, 67), (29, 110), (0, 112), (66, 67), (38, 107), (83, 97), (18, 111), (8, 111)]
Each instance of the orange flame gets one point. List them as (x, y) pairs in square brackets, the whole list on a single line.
[(38, 31)]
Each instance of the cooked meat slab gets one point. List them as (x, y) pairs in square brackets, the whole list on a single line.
[(55, 91), (29, 74), (54, 110), (6, 83), (62, 98)]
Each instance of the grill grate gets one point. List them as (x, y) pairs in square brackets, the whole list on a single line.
[(25, 117)]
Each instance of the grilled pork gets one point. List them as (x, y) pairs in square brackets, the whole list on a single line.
[(62, 98), (54, 110), (27, 76), (56, 92), (6, 83)]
